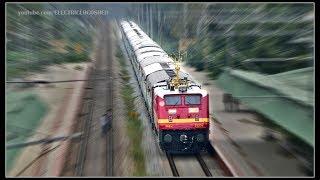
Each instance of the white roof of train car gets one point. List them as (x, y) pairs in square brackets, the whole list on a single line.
[(144, 45), (144, 49), (148, 54), (155, 67), (155, 72), (152, 68)]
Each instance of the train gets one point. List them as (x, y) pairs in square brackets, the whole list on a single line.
[(177, 105)]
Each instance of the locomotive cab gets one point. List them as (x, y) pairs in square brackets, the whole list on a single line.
[(184, 108), (183, 122)]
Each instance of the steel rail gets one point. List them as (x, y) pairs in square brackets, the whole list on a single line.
[(86, 128), (109, 103), (203, 165), (172, 165)]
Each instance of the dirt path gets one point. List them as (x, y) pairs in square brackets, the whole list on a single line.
[(58, 98)]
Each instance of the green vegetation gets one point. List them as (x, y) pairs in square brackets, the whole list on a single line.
[(35, 41), (226, 35), (134, 128), (24, 113), (79, 68)]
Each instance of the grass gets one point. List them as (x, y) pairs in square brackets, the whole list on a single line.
[(24, 113), (19, 63), (134, 128), (79, 68)]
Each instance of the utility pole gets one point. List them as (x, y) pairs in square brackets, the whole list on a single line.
[(148, 19), (158, 28), (185, 20), (138, 9), (151, 20)]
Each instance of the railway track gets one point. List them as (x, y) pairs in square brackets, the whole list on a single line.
[(175, 172), (172, 165), (87, 111), (95, 153), (220, 169), (109, 100), (203, 165)]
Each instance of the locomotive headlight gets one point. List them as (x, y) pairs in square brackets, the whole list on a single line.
[(200, 137), (170, 118), (193, 110), (172, 111), (183, 138), (167, 138)]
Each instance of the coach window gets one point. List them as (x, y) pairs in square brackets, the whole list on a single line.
[(192, 99), (172, 100)]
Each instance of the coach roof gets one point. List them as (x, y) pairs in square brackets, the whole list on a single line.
[(163, 75), (155, 59), (150, 54)]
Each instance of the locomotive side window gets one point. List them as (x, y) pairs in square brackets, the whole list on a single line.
[(192, 99), (172, 100)]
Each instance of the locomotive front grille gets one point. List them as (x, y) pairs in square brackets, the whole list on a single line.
[(184, 141)]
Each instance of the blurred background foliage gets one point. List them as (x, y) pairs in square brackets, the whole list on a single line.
[(34, 41), (262, 37)]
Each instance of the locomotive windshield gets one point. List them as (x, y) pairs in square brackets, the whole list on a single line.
[(192, 99), (172, 100)]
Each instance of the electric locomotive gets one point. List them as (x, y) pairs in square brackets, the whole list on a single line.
[(178, 107)]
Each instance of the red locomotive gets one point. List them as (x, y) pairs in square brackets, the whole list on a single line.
[(178, 107)]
